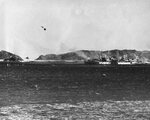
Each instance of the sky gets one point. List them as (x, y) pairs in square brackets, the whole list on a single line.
[(73, 25)]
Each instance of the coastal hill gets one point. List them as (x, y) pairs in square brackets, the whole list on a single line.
[(121, 55), (6, 55)]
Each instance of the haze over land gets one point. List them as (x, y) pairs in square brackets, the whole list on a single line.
[(73, 25), (124, 55)]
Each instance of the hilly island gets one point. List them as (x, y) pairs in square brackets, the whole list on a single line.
[(84, 55), (4, 55), (120, 55)]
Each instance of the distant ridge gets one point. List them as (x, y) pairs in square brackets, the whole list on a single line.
[(5, 55), (125, 54)]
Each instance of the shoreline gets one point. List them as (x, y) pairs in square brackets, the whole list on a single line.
[(63, 63)]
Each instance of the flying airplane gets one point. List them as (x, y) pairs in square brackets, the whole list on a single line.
[(43, 28)]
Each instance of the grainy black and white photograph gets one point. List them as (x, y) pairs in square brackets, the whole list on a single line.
[(74, 59)]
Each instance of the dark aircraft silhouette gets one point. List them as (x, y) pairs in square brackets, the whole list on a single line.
[(43, 28)]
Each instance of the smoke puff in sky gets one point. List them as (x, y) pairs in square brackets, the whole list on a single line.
[(73, 25)]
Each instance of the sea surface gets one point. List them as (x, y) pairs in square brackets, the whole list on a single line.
[(73, 90)]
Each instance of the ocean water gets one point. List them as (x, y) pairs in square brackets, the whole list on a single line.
[(75, 85), (72, 83)]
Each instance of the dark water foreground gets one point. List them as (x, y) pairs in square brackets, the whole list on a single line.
[(72, 83), (74, 92), (112, 110)]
